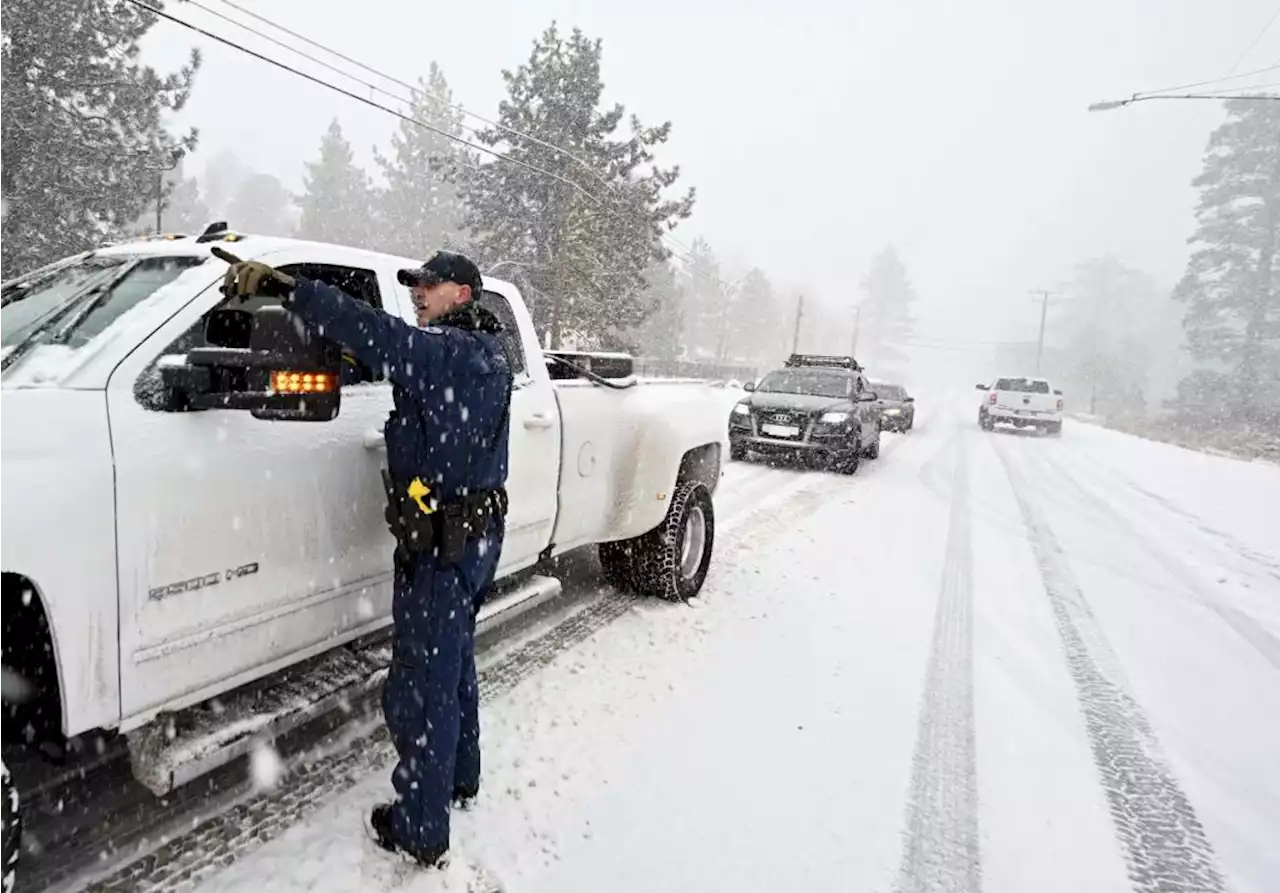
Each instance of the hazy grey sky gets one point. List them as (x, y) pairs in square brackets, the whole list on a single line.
[(816, 132)]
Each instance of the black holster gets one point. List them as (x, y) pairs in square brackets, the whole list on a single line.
[(444, 531)]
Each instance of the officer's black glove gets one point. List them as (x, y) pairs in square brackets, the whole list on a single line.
[(251, 278)]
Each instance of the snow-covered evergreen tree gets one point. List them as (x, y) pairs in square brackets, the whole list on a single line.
[(263, 206), (337, 198), (419, 210), (885, 320), (704, 306), (661, 334), (1232, 281), (587, 229), (752, 321), (82, 123)]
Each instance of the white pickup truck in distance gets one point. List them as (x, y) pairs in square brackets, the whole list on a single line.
[(1023, 403), (171, 533)]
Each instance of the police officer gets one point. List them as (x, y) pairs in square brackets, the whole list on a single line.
[(10, 830), (445, 477)]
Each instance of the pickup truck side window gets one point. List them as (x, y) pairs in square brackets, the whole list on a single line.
[(361, 284), (510, 337)]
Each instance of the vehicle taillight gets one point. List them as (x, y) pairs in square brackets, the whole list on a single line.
[(991, 398), (1059, 404)]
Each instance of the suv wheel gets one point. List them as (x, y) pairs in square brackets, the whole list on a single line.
[(848, 463)]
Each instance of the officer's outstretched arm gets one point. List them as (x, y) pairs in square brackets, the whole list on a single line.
[(407, 355)]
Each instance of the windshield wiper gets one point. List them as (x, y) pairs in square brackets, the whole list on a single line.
[(37, 335)]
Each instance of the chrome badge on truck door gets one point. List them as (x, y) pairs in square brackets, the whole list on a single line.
[(203, 582)]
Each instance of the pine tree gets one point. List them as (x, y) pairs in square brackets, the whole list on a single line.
[(660, 334), (420, 211), (1231, 285), (752, 321), (1110, 334), (885, 320), (705, 308), (586, 227), (183, 206), (83, 130), (337, 200), (223, 176), (261, 205)]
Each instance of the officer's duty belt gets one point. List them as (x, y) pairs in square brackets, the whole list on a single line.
[(446, 527)]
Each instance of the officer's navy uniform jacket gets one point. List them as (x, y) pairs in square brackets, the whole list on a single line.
[(452, 389)]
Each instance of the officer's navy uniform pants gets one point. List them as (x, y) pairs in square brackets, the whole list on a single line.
[(431, 698)]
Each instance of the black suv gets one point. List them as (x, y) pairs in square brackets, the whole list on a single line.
[(818, 407)]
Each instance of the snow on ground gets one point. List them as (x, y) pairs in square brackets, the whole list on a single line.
[(986, 662)]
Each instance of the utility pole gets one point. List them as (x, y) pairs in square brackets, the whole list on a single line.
[(1044, 312), (795, 338), (160, 171), (857, 321)]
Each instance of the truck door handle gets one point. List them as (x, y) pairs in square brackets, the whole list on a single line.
[(539, 420), (373, 440)]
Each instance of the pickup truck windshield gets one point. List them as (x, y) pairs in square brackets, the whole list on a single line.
[(79, 300), (1022, 386), (814, 383)]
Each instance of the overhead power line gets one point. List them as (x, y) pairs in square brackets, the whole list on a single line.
[(141, 4), (1219, 80), (1257, 37), (387, 77)]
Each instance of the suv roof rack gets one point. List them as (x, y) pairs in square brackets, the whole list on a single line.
[(823, 360)]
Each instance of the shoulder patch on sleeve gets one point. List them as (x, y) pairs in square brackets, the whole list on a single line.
[(433, 330)]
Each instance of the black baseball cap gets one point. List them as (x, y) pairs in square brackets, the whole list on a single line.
[(443, 266)]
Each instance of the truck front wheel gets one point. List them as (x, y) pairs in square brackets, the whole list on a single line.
[(670, 561), (12, 831)]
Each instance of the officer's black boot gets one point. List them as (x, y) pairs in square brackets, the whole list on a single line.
[(464, 797), (380, 821)]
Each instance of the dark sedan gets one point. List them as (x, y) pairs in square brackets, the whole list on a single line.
[(897, 407), (827, 416)]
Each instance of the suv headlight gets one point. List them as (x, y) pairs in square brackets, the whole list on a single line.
[(834, 418), (741, 409)]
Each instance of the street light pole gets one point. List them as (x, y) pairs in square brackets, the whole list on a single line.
[(857, 322)]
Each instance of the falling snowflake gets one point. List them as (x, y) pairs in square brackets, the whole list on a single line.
[(266, 766)]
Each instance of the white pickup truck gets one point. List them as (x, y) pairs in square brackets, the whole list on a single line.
[(157, 554), (1021, 402)]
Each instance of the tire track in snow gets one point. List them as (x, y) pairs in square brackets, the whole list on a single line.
[(209, 845), (1165, 847), (941, 852), (1180, 574)]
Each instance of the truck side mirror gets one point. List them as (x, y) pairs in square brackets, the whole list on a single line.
[(980, 387), (1058, 393), (908, 399), (285, 371), (749, 386)]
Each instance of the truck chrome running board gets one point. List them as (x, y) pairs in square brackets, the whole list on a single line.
[(506, 605), (176, 749)]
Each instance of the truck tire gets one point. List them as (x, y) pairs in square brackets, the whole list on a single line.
[(12, 831), (670, 561), (873, 451), (737, 452), (984, 421)]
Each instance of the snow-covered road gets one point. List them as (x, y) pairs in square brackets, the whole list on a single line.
[(986, 662)]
